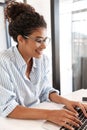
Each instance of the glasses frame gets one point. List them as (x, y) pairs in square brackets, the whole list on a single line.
[(39, 40)]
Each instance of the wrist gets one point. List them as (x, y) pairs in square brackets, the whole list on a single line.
[(48, 114), (65, 101)]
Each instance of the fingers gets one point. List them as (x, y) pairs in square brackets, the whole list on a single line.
[(71, 121), (71, 117), (64, 124), (74, 111), (83, 108), (71, 113), (65, 118), (69, 125)]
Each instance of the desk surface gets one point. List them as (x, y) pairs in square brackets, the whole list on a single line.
[(15, 124), (77, 95)]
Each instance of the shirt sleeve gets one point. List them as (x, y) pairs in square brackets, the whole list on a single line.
[(46, 85), (7, 95)]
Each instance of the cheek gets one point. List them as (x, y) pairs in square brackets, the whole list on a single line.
[(30, 48)]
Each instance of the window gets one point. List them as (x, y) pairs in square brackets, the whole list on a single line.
[(3, 35), (79, 44), (73, 45)]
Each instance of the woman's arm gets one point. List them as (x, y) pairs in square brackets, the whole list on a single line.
[(21, 112), (54, 97), (59, 117)]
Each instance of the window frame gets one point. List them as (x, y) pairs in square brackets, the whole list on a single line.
[(55, 43)]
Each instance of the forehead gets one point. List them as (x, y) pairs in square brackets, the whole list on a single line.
[(42, 32)]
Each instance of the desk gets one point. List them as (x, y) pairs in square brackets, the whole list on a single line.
[(77, 95), (15, 124)]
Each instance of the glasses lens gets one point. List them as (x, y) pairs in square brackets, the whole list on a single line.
[(39, 40), (47, 41)]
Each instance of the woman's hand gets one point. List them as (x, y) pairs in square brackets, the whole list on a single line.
[(64, 118), (71, 105)]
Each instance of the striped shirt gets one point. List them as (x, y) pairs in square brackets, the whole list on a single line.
[(16, 88)]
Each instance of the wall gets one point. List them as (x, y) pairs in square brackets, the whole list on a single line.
[(2, 30), (65, 46)]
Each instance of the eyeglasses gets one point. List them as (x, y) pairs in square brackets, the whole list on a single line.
[(46, 40)]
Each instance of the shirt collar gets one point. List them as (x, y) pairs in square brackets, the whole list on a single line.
[(20, 61)]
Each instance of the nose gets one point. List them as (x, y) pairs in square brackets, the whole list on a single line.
[(43, 46)]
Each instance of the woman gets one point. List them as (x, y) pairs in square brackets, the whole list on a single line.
[(24, 70)]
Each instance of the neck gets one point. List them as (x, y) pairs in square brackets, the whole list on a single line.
[(23, 54)]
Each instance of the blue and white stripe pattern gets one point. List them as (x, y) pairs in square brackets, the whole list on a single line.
[(16, 88)]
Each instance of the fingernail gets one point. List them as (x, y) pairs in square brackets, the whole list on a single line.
[(77, 114), (78, 125)]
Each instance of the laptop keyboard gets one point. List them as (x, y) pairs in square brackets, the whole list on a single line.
[(83, 120)]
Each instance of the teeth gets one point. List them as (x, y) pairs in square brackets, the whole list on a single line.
[(40, 52)]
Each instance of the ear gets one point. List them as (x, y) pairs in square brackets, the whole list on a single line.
[(20, 39)]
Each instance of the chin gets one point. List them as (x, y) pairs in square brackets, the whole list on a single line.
[(39, 56)]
